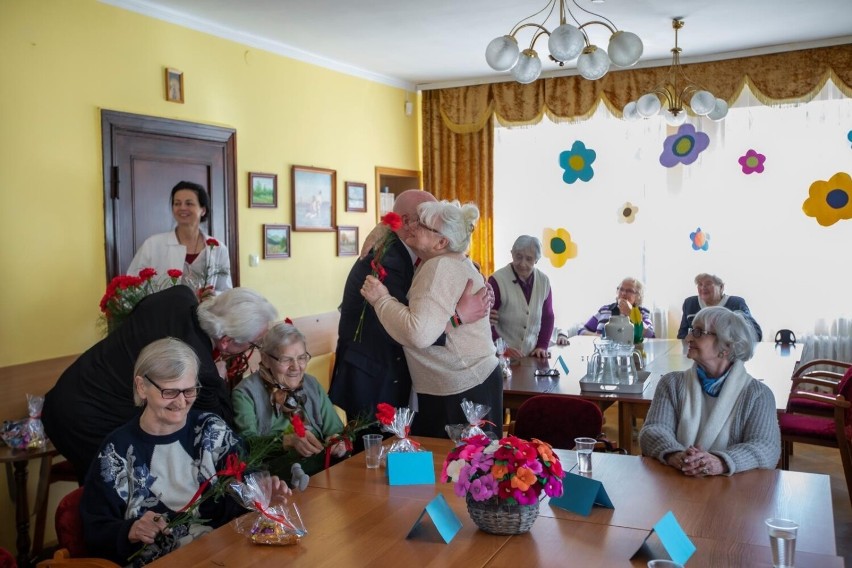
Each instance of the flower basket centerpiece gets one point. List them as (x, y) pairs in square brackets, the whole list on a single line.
[(503, 480)]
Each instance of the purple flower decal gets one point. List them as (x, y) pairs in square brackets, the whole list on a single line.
[(752, 162), (683, 146), (577, 163)]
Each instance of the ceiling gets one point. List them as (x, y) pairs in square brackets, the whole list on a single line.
[(427, 44)]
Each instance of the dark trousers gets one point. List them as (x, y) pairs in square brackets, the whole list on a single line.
[(435, 412)]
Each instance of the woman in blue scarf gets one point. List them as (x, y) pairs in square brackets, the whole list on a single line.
[(714, 418)]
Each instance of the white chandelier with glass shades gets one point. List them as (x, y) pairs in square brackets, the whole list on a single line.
[(675, 90), (565, 42)]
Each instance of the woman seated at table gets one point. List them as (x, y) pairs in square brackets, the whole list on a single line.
[(265, 402), (714, 418), (523, 303), (466, 366), (628, 294), (711, 292), (150, 468)]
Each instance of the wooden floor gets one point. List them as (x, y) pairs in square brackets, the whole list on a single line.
[(812, 459)]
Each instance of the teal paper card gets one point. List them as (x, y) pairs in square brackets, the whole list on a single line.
[(580, 494), (410, 468), (675, 541), (562, 364), (447, 523)]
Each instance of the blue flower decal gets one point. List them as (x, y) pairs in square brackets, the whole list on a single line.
[(700, 239), (683, 146), (849, 136), (577, 163)]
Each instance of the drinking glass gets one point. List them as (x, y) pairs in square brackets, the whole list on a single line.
[(372, 450), (782, 541), (584, 447)]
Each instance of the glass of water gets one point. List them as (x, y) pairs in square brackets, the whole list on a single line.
[(782, 541), (584, 447)]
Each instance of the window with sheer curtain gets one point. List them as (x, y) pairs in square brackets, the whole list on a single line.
[(791, 270)]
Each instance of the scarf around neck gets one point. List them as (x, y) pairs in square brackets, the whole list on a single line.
[(283, 399)]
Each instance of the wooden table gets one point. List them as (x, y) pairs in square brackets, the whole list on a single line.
[(19, 461), (354, 518), (770, 364)]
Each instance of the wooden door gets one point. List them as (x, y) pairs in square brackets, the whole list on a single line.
[(144, 157)]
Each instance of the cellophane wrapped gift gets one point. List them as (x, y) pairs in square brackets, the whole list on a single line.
[(475, 414), (400, 426), (27, 434), (269, 523)]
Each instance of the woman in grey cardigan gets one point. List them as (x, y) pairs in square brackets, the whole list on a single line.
[(714, 418)]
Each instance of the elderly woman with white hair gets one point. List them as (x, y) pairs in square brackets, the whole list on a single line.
[(711, 292), (714, 418), (93, 396), (266, 401), (523, 303), (629, 293), (149, 469), (466, 367)]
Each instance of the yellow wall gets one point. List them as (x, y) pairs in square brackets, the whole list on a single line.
[(61, 62)]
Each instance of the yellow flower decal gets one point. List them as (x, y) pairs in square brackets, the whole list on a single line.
[(558, 246), (830, 201), (627, 213)]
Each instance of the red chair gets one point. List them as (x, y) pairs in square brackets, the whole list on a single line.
[(827, 379), (557, 420), (833, 432), (7, 560)]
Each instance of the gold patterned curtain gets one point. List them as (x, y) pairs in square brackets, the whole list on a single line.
[(458, 123)]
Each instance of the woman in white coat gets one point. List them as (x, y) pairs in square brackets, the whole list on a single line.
[(203, 262)]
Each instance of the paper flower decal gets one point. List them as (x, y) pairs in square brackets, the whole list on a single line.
[(627, 213), (830, 201), (849, 136), (683, 146), (558, 246), (700, 239), (752, 162), (577, 163)]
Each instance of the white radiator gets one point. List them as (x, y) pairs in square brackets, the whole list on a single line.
[(837, 347), (660, 319)]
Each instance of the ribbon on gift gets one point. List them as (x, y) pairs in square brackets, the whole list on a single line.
[(280, 519), (333, 441)]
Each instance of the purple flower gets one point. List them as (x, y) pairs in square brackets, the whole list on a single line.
[(752, 162), (553, 486), (527, 497), (482, 461), (461, 486), (534, 466), (683, 146), (483, 488)]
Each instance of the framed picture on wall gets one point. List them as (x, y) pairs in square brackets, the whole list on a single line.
[(174, 85), (347, 241), (356, 196), (276, 241), (263, 190), (313, 198)]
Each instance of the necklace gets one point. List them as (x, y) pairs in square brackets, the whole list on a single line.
[(196, 248)]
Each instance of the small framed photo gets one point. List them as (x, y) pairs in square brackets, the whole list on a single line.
[(263, 190), (313, 198), (276, 241), (356, 196), (174, 85), (347, 241)]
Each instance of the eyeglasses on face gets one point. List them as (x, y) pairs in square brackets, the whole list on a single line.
[(428, 228), (169, 394), (626, 290), (697, 332), (302, 359)]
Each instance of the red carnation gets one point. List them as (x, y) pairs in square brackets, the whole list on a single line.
[(298, 425), (147, 273), (392, 220), (385, 413), (288, 320), (211, 242), (174, 273)]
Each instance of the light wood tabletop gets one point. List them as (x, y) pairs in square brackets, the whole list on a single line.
[(354, 518)]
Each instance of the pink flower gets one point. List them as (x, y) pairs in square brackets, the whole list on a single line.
[(553, 486), (752, 162)]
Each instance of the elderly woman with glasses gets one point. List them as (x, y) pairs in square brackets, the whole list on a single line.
[(628, 294), (714, 418), (93, 396), (711, 292), (266, 401), (466, 365), (148, 470)]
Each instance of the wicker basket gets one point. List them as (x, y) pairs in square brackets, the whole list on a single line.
[(500, 518)]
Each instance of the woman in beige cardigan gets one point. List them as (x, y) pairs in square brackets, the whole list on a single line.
[(465, 365)]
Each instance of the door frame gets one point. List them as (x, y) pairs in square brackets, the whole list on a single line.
[(115, 121)]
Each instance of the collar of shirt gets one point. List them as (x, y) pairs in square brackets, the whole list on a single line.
[(526, 286)]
